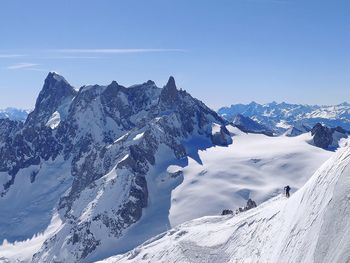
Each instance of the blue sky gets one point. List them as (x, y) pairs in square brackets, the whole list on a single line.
[(222, 52)]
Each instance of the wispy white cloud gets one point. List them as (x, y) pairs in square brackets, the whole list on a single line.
[(11, 55), (70, 57), (23, 66), (78, 53), (118, 50)]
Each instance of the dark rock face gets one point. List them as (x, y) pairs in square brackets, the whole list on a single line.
[(325, 137), (170, 95), (109, 137), (250, 204), (248, 125), (8, 128), (322, 136), (222, 137), (226, 212), (55, 92)]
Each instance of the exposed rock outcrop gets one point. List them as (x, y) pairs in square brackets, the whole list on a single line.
[(327, 138), (246, 124)]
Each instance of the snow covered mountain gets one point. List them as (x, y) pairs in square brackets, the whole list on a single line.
[(280, 117), (14, 114), (96, 171), (89, 151), (311, 226)]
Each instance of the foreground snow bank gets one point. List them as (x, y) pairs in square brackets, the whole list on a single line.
[(312, 226)]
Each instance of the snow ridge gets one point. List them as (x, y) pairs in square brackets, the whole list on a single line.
[(311, 226)]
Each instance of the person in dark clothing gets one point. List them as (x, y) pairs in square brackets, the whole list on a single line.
[(287, 189)]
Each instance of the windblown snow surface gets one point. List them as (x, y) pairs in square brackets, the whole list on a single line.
[(210, 180), (313, 225)]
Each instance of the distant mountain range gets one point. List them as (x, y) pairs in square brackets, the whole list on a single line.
[(14, 114), (284, 117)]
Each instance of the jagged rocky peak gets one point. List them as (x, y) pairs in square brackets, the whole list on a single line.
[(150, 82), (55, 76), (327, 138), (112, 89), (169, 93), (322, 136), (105, 137), (171, 83), (57, 87), (55, 92), (114, 84)]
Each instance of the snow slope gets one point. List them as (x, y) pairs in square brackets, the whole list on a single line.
[(254, 166), (22, 251), (32, 214), (311, 226)]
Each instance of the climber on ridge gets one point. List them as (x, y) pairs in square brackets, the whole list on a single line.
[(287, 189)]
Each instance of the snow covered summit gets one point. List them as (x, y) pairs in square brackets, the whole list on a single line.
[(84, 157), (311, 226)]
